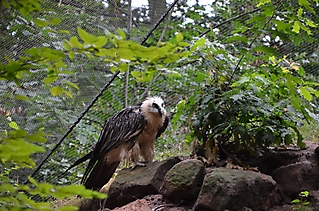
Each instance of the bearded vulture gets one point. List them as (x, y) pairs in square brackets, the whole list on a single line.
[(129, 133)]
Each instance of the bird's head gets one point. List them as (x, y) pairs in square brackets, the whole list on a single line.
[(155, 105)]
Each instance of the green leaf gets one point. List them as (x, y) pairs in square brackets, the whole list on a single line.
[(21, 97), (55, 21), (295, 201), (39, 22), (299, 13), (123, 67), (71, 55), (68, 208), (305, 93), (200, 77), (179, 37), (306, 4), (121, 33), (237, 38), (267, 50), (56, 90), (37, 137), (268, 10), (310, 23), (74, 42), (50, 79), (32, 181), (66, 45), (262, 2), (102, 40), (14, 125), (72, 84), (68, 94), (304, 193), (198, 43), (86, 37), (296, 27)]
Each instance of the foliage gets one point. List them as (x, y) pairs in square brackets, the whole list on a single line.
[(303, 203), (251, 96), (15, 150)]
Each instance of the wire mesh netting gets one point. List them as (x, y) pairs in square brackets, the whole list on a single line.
[(55, 115)]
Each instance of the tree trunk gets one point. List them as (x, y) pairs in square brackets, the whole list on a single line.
[(157, 8)]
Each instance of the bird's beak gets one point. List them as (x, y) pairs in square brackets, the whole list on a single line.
[(154, 105)]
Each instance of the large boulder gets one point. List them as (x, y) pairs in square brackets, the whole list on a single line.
[(236, 190), (130, 185), (183, 181), (293, 170)]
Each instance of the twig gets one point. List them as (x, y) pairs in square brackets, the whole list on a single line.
[(166, 25)]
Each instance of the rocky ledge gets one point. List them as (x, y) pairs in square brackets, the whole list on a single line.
[(179, 184)]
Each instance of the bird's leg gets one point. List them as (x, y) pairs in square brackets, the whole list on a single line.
[(138, 163)]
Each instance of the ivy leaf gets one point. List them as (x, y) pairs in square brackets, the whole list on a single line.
[(305, 93), (296, 27)]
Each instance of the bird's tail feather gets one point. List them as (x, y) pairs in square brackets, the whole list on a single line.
[(81, 160), (100, 175)]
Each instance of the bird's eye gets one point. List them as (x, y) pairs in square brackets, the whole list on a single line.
[(163, 105)]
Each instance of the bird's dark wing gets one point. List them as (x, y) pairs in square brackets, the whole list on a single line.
[(163, 128), (122, 127)]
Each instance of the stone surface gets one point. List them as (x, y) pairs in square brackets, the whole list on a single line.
[(137, 205), (297, 177), (183, 181), (293, 170), (237, 190), (277, 159), (130, 185)]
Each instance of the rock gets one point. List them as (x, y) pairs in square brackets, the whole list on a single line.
[(137, 205), (277, 159), (237, 190), (297, 177), (130, 184), (183, 181)]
